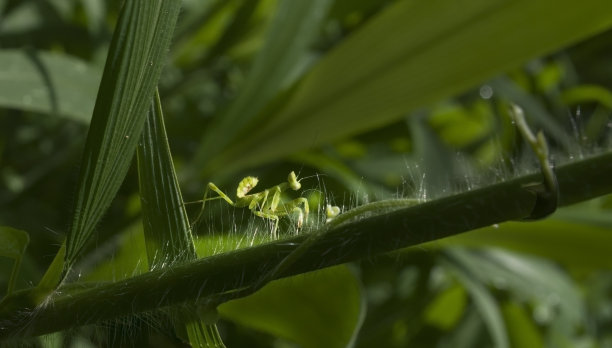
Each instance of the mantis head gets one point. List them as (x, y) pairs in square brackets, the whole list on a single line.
[(293, 181), (246, 185)]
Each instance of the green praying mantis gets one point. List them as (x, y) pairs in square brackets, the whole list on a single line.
[(546, 203), (265, 204)]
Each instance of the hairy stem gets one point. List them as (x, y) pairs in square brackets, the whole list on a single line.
[(391, 230)]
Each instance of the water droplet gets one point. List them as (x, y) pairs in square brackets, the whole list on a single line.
[(542, 314), (486, 92)]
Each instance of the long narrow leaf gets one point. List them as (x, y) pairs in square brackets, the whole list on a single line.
[(166, 225), (294, 27), (167, 231), (13, 243), (482, 297), (410, 55), (132, 69)]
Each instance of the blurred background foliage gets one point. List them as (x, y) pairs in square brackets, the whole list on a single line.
[(230, 77)]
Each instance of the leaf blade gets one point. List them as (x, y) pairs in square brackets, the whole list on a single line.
[(166, 225), (342, 96), (328, 313), (49, 83), (133, 67), (13, 243), (292, 30)]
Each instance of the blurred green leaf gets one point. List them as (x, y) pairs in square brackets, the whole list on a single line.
[(13, 243), (460, 126), (23, 18), (468, 333), (132, 69), (317, 309), (96, 13), (424, 51), (588, 93), (550, 238), (279, 62), (446, 309), (482, 297), (540, 282), (49, 83), (521, 328)]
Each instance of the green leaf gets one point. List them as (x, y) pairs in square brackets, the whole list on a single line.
[(23, 18), (96, 12), (468, 333), (587, 93), (521, 328), (447, 308), (318, 309), (424, 52), (483, 299), (13, 243), (166, 225), (293, 29), (550, 238), (132, 69), (53, 272), (49, 83), (532, 279), (167, 231)]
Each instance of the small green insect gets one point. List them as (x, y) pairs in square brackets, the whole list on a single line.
[(265, 204)]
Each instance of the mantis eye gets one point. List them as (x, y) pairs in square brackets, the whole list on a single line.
[(293, 181), (246, 185)]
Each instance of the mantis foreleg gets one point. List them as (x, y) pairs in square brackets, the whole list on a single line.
[(221, 195)]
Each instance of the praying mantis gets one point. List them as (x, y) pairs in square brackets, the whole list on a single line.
[(265, 204)]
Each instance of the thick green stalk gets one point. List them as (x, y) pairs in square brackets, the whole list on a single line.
[(198, 280)]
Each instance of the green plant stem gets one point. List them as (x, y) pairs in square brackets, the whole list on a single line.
[(198, 280)]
